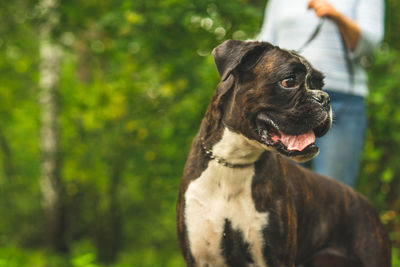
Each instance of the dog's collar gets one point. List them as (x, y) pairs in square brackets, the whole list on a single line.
[(220, 160)]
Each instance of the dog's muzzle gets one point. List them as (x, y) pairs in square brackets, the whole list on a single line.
[(292, 145)]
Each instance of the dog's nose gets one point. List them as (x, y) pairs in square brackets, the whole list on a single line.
[(321, 97)]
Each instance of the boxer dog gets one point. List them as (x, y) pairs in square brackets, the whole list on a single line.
[(242, 202)]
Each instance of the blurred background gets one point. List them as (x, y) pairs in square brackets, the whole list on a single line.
[(99, 102)]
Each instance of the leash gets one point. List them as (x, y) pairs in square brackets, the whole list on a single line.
[(346, 54), (312, 36)]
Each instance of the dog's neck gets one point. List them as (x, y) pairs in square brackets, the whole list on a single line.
[(233, 150), (219, 142)]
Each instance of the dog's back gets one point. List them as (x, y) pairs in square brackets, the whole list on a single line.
[(334, 220)]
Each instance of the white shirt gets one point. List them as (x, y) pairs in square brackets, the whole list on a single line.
[(289, 24)]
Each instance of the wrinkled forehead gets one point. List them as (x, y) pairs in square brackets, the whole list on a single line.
[(281, 62), (301, 59), (278, 59)]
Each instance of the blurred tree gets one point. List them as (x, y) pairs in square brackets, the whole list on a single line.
[(19, 113), (51, 183), (8, 165), (379, 179)]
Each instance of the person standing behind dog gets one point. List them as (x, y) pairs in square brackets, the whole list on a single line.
[(355, 25)]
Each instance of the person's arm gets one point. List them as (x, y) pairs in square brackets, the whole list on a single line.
[(348, 28), (370, 17)]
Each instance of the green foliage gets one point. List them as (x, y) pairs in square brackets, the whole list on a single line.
[(135, 80), (379, 178)]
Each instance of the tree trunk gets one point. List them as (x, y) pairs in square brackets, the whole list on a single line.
[(51, 187), (109, 234), (8, 165)]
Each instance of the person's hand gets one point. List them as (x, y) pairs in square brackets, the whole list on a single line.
[(323, 8), (348, 28)]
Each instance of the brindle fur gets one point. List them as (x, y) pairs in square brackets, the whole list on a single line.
[(313, 220)]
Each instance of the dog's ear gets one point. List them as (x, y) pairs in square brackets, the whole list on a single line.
[(232, 53)]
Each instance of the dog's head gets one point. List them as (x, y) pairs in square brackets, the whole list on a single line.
[(272, 96)]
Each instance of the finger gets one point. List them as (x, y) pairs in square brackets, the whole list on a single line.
[(318, 4), (321, 13), (311, 4), (314, 4)]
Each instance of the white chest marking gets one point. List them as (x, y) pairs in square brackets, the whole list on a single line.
[(222, 193)]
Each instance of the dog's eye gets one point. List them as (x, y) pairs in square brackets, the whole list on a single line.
[(289, 83)]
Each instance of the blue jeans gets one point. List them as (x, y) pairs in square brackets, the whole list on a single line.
[(341, 148)]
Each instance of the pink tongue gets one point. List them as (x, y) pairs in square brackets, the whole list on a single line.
[(298, 142)]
